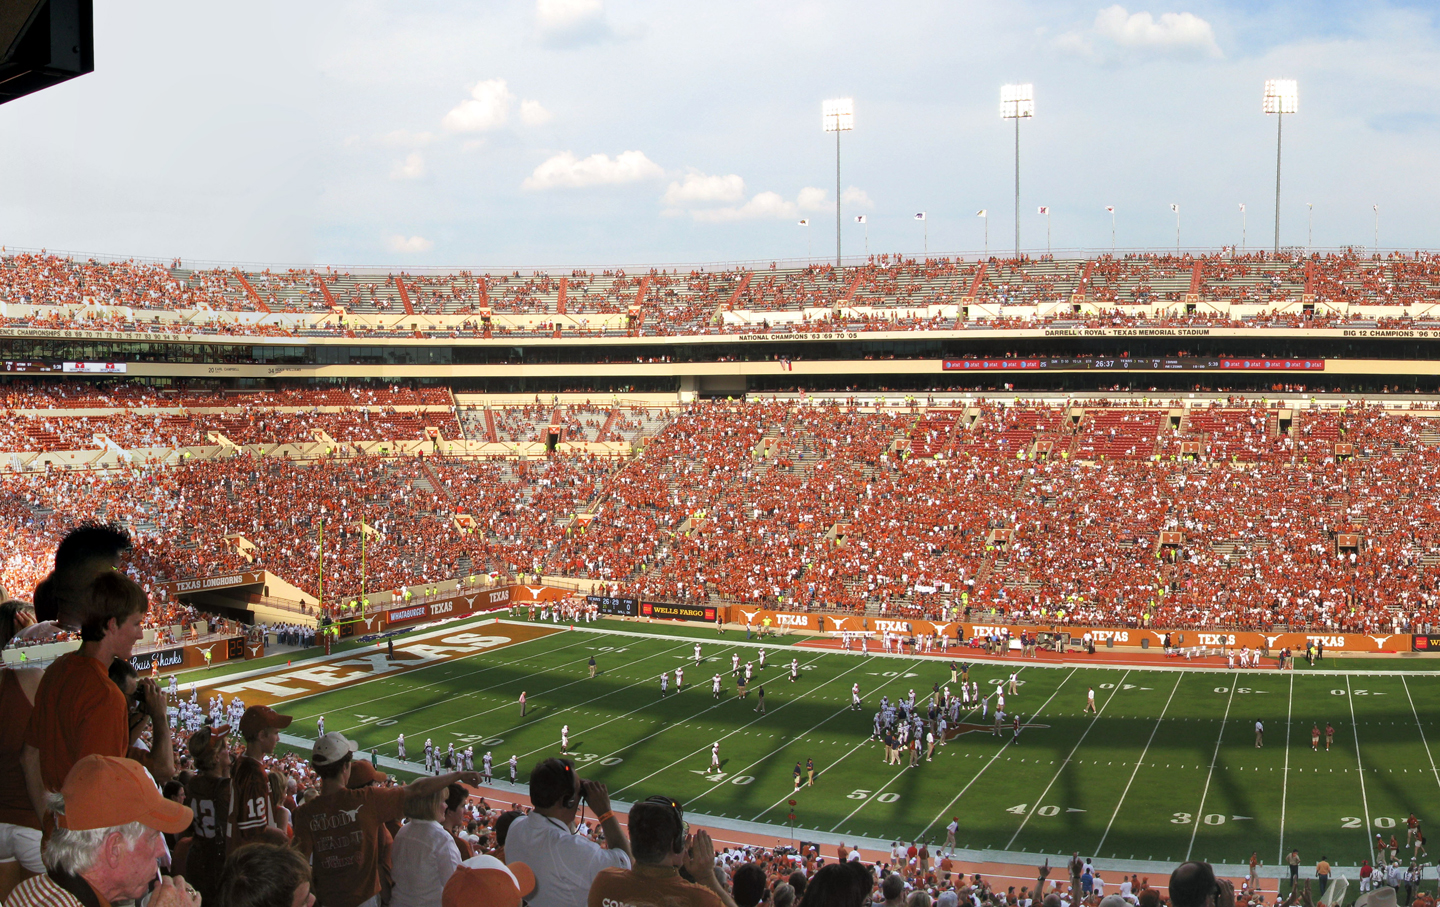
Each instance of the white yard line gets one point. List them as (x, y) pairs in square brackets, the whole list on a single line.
[(1421, 728), (1139, 762), (1214, 757), (411, 689), (1364, 798), (1285, 772), (530, 701), (596, 727), (835, 762), (957, 797), (704, 747), (1061, 770)]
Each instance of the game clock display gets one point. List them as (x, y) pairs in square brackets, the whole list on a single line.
[(608, 604)]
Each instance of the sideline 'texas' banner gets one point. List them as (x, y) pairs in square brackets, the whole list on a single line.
[(1118, 636)]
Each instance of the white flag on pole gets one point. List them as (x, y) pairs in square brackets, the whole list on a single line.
[(1175, 208), (1242, 207), (1044, 209), (920, 216), (805, 222), (859, 218), (982, 213), (1110, 208)]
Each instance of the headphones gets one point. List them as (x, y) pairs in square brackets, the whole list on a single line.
[(573, 800), (677, 845)]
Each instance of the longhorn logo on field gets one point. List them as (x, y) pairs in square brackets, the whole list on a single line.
[(1270, 640), (941, 628), (749, 615), (470, 601), (837, 621), (1381, 640)]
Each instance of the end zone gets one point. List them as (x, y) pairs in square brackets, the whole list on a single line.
[(276, 685)]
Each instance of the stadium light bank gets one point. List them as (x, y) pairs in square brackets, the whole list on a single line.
[(837, 115), (1017, 102), (1281, 97)]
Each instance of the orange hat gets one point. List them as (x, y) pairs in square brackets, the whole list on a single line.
[(363, 774), (258, 717), (106, 791), (485, 880)]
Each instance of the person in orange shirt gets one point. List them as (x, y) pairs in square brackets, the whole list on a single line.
[(78, 710), (339, 830)]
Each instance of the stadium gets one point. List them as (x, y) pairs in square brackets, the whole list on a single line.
[(1015, 577)]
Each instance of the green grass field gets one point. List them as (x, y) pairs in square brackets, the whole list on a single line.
[(1168, 770)]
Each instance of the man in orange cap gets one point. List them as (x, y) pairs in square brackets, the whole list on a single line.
[(251, 814), (110, 823)]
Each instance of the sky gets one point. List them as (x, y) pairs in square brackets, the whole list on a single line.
[(604, 133)]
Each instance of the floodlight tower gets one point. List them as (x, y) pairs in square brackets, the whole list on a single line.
[(1281, 97), (837, 116), (1017, 102)]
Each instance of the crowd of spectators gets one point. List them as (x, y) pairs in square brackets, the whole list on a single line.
[(1038, 513), (140, 417), (885, 293)]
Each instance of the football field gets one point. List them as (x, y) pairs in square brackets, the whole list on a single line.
[(1167, 770)]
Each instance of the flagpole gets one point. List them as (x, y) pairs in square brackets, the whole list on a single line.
[(1112, 232), (322, 565), (362, 565)]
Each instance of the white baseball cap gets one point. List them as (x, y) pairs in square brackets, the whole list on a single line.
[(331, 748)]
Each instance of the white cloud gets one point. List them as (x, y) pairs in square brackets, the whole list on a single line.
[(488, 107), (404, 138), (1116, 28), (571, 22), (702, 188), (564, 170), (398, 243), (857, 197), (532, 114), (763, 205), (472, 145), (412, 168), (812, 199)]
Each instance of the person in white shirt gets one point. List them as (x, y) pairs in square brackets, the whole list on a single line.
[(565, 739), (424, 854), (1127, 891), (564, 864)]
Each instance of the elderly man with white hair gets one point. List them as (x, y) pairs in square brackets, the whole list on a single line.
[(109, 837)]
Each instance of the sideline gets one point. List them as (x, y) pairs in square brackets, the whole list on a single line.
[(977, 657)]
